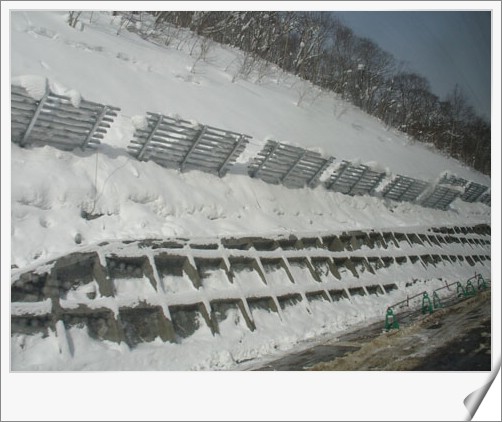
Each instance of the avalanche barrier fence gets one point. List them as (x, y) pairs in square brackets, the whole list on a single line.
[(180, 144), (54, 120)]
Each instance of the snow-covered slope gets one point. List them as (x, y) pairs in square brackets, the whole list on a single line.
[(141, 200), (139, 76), (50, 188)]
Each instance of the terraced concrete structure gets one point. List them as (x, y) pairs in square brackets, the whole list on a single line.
[(136, 291)]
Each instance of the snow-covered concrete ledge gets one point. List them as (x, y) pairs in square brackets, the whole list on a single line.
[(247, 296)]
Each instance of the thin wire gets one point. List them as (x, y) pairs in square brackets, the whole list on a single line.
[(96, 179), (97, 197)]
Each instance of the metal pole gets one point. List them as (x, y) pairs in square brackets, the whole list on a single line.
[(96, 125), (221, 171), (142, 152), (321, 170), (298, 160), (196, 141), (340, 171), (31, 125), (366, 168), (270, 153)]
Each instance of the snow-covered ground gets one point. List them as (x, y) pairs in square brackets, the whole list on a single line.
[(235, 343), (50, 188)]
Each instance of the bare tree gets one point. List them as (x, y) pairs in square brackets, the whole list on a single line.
[(320, 49), (73, 17), (200, 51)]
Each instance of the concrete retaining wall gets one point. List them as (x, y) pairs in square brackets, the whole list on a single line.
[(140, 290)]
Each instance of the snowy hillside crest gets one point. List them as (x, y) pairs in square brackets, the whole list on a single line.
[(137, 198)]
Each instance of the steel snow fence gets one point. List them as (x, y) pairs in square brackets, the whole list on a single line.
[(473, 191), (292, 166), (404, 188), (54, 120), (354, 180), (486, 199), (441, 197), (453, 180), (180, 144)]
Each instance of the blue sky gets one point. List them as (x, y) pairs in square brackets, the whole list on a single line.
[(446, 47)]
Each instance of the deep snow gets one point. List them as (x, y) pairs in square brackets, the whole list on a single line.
[(51, 187), (145, 200)]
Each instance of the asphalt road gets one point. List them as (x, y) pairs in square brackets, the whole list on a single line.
[(457, 338)]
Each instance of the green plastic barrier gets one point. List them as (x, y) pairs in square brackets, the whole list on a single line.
[(460, 290), (436, 301), (391, 320), (426, 304), (482, 284), (469, 289)]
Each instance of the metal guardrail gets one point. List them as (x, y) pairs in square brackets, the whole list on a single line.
[(458, 292), (54, 120), (292, 166), (176, 143), (354, 180)]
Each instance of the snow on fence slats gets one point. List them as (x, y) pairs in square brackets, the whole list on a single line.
[(440, 197), (404, 188), (179, 144), (486, 199), (453, 180), (473, 191), (292, 166), (54, 120), (354, 180)]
